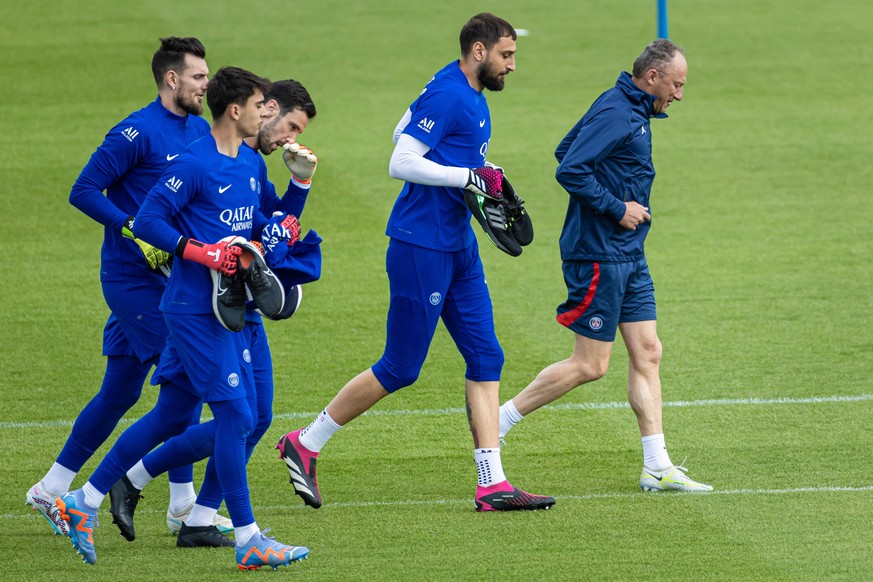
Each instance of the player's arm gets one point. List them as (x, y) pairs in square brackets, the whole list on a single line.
[(112, 160), (152, 225), (409, 164), (580, 154)]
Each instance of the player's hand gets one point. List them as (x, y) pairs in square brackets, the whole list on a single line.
[(486, 182), (281, 227), (634, 215), (218, 256), (300, 160), (154, 256)]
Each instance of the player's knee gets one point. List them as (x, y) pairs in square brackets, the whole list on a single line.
[(589, 370), (648, 354), (261, 426), (485, 365)]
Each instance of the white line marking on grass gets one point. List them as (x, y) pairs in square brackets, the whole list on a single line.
[(587, 497), (567, 406)]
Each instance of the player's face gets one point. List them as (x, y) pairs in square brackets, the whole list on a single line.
[(279, 130), (191, 88), (498, 63), (252, 114), (669, 84)]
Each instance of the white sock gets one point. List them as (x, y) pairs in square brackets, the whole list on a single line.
[(201, 516), (319, 431), (139, 477), (243, 534), (58, 480), (655, 452), (181, 496), (93, 498), (489, 466), (509, 417)]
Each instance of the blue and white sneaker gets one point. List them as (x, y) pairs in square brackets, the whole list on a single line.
[(261, 550), (43, 502), (81, 521)]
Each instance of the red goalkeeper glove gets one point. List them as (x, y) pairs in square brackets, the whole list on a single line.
[(218, 257)]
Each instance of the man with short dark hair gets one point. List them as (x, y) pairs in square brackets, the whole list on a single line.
[(605, 165), (208, 193), (433, 265), (127, 164)]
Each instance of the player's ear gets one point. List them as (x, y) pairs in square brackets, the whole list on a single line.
[(479, 51), (272, 107), (171, 79)]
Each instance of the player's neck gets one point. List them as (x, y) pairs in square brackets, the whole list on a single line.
[(228, 137), (170, 104), (468, 67)]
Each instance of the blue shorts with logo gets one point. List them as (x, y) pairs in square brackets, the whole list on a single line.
[(601, 295), (136, 325), (205, 359), (427, 285)]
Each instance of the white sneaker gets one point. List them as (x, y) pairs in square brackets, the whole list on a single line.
[(672, 478), (43, 502), (174, 520)]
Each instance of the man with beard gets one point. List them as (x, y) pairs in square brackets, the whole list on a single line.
[(126, 166), (290, 109), (434, 267)]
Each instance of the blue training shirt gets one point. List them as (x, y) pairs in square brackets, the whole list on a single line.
[(207, 196), (452, 119), (131, 159)]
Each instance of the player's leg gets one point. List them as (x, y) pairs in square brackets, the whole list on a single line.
[(592, 312), (418, 279), (234, 421), (639, 331), (469, 318), (121, 388), (79, 507)]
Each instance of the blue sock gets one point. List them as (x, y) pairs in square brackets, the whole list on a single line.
[(233, 424)]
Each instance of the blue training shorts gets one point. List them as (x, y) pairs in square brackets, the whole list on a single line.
[(205, 359), (425, 285), (136, 325), (602, 295)]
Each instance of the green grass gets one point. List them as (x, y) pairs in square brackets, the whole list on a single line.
[(761, 250)]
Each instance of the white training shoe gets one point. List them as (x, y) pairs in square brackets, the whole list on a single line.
[(43, 502), (671, 478), (174, 521)]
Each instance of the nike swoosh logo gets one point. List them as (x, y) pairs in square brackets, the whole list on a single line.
[(171, 158), (482, 123), (223, 190)]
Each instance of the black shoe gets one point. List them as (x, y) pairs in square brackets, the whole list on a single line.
[(229, 300), (520, 223), (123, 499), (491, 215), (263, 285), (206, 536), (292, 303)]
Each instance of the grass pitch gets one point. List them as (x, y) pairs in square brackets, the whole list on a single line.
[(761, 252)]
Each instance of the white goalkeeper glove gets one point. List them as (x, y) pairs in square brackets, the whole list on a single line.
[(154, 256), (300, 160)]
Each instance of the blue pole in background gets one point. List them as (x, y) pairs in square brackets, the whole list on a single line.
[(662, 19)]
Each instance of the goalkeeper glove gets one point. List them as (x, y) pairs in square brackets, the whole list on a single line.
[(300, 160), (281, 227), (485, 182), (154, 256), (219, 256)]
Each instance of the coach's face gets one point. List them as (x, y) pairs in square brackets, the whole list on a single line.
[(189, 85), (499, 62), (668, 84), (280, 130)]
